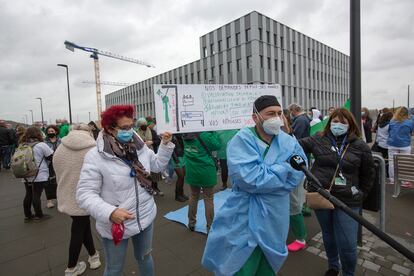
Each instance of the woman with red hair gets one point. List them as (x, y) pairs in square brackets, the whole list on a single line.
[(115, 188)]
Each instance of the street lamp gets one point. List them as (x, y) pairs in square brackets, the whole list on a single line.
[(41, 108), (89, 116), (67, 79), (31, 111)]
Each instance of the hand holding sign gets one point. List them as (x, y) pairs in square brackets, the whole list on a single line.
[(166, 137)]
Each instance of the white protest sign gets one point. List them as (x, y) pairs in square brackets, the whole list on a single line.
[(207, 107)]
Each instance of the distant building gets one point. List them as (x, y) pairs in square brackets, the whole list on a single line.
[(255, 49)]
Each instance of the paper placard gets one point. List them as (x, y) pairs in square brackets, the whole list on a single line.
[(208, 107)]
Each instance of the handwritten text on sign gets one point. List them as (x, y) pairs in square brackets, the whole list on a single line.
[(195, 108)]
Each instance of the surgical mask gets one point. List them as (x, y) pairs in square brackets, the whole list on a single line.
[(51, 135), (144, 127), (124, 136), (363, 113), (339, 129), (272, 126)]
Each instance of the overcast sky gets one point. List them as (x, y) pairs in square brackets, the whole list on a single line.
[(166, 34)]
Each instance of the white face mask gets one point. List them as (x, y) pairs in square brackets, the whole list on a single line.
[(272, 125)]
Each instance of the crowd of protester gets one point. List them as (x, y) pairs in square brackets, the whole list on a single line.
[(113, 171)]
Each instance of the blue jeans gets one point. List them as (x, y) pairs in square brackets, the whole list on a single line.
[(115, 255), (5, 154), (340, 234)]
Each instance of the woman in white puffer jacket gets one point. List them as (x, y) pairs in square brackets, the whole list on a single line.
[(115, 188)]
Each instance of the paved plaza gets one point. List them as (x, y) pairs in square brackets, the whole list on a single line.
[(42, 248)]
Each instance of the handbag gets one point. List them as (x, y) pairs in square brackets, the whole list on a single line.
[(208, 152), (315, 200)]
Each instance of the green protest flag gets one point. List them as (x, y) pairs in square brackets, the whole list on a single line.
[(321, 126)]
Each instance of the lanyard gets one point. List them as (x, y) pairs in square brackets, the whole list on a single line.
[(339, 151)]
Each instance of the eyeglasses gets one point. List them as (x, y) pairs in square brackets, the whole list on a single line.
[(124, 127)]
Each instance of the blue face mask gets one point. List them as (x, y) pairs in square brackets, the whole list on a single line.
[(124, 136), (339, 129)]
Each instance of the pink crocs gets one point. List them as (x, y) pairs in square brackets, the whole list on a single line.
[(296, 246)]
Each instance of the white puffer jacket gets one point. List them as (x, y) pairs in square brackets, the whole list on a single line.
[(105, 184)]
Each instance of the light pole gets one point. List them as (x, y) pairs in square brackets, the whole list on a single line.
[(355, 60), (31, 111), (41, 109), (89, 116), (67, 79)]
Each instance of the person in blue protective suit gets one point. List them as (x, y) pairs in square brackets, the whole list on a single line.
[(248, 235)]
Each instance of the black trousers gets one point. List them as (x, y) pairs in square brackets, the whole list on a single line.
[(384, 153), (80, 234), (50, 189), (179, 184), (224, 171), (33, 192)]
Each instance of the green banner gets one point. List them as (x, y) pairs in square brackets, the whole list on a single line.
[(321, 126)]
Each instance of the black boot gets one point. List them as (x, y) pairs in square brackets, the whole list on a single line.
[(331, 272), (181, 198)]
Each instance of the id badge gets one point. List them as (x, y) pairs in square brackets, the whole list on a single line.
[(340, 180)]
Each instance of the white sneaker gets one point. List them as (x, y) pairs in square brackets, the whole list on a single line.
[(94, 261), (50, 204), (77, 270)]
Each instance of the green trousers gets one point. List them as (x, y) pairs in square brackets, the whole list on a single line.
[(297, 225), (256, 265)]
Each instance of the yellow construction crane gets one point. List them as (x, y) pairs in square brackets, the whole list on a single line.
[(95, 52)]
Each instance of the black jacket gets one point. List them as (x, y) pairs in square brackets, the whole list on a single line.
[(7, 137), (368, 129), (357, 166)]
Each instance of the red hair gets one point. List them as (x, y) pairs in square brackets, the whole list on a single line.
[(115, 112)]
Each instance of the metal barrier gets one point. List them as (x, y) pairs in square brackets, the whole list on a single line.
[(378, 192), (403, 171)]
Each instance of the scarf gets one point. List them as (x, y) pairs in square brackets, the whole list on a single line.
[(127, 152)]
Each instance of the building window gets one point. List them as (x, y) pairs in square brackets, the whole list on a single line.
[(198, 75), (220, 69), (281, 42), (313, 54), (294, 69), (269, 63), (237, 38), (192, 77), (283, 90), (219, 45), (181, 80), (293, 46), (205, 74), (308, 52), (268, 36), (317, 75), (175, 80), (212, 49), (186, 79), (248, 33), (228, 42), (249, 62), (282, 66), (309, 73), (275, 64), (317, 55), (204, 51), (260, 34), (229, 67), (275, 39), (238, 64), (212, 71), (313, 73), (261, 61), (294, 92)]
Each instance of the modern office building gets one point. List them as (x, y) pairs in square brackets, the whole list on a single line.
[(255, 49)]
